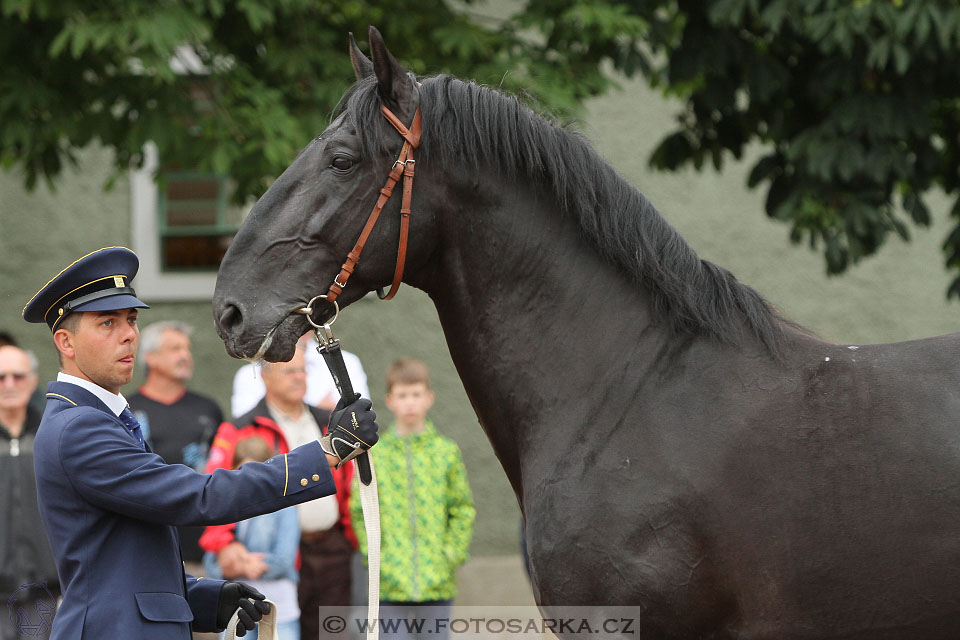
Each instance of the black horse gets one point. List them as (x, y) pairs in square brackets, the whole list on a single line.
[(673, 442)]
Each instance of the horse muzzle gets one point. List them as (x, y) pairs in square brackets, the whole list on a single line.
[(275, 342)]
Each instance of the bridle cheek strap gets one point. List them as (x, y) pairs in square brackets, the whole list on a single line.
[(404, 167)]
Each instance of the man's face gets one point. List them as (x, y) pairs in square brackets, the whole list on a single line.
[(410, 402), (286, 382), (103, 348), (172, 359), (17, 380)]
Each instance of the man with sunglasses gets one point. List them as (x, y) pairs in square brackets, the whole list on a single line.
[(109, 503), (27, 569)]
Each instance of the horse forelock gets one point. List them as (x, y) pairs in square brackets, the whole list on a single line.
[(474, 127)]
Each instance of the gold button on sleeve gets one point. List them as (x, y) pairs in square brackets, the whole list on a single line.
[(303, 482), (316, 477)]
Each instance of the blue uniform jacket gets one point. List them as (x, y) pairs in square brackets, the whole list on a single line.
[(109, 509)]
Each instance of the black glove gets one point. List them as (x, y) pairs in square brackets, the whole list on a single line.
[(236, 595), (353, 430)]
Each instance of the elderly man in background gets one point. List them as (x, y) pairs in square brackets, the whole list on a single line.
[(178, 424), (248, 385), (28, 575), (327, 542)]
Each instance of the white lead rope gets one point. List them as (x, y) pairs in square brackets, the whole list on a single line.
[(370, 502), (267, 627)]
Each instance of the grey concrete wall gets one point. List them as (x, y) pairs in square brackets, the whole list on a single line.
[(43, 231), (897, 296)]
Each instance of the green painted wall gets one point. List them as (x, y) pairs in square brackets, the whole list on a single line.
[(897, 296)]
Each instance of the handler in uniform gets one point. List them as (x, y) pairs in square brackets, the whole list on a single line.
[(109, 504)]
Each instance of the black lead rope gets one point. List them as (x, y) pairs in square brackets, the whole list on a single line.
[(329, 348), (333, 356)]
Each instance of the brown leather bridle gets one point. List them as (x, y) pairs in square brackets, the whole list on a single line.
[(404, 166)]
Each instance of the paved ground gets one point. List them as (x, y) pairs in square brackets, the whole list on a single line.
[(487, 581), (494, 580)]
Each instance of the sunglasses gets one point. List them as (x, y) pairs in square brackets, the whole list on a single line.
[(17, 376)]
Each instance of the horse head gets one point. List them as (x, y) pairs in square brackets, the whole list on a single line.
[(295, 239)]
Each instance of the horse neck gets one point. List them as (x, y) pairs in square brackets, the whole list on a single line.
[(536, 321)]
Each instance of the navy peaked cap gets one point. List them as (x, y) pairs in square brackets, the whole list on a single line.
[(99, 281)]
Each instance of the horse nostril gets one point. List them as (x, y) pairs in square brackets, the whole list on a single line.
[(230, 317)]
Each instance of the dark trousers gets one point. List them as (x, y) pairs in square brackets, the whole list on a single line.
[(324, 578), (429, 620)]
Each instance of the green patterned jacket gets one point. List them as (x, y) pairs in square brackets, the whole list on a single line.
[(426, 515)]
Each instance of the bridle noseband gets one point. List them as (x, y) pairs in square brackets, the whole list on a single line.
[(404, 166)]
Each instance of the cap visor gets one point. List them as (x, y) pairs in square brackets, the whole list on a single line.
[(112, 303)]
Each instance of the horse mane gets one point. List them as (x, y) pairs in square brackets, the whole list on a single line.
[(476, 127)]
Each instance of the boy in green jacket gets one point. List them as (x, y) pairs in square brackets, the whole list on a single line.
[(426, 511)]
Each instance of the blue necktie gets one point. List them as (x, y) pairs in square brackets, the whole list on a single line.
[(133, 426)]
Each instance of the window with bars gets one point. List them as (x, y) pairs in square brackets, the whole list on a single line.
[(196, 221)]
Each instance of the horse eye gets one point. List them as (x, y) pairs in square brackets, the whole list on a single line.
[(342, 163)]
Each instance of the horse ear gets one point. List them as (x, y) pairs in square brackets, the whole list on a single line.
[(362, 66), (396, 88)]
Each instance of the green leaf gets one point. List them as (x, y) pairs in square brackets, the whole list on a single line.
[(59, 43), (879, 53), (673, 151), (915, 206), (774, 15), (727, 12), (258, 14), (901, 58), (78, 43)]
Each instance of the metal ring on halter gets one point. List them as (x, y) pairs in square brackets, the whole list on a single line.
[(308, 311)]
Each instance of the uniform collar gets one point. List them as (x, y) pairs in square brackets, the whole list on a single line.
[(115, 402)]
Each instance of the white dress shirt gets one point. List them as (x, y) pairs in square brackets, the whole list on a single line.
[(322, 513), (248, 387), (115, 402)]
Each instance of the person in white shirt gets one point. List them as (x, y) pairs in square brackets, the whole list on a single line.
[(248, 387)]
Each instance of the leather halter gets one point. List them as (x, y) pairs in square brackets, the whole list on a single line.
[(404, 166)]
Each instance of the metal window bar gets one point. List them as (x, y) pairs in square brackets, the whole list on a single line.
[(165, 205)]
